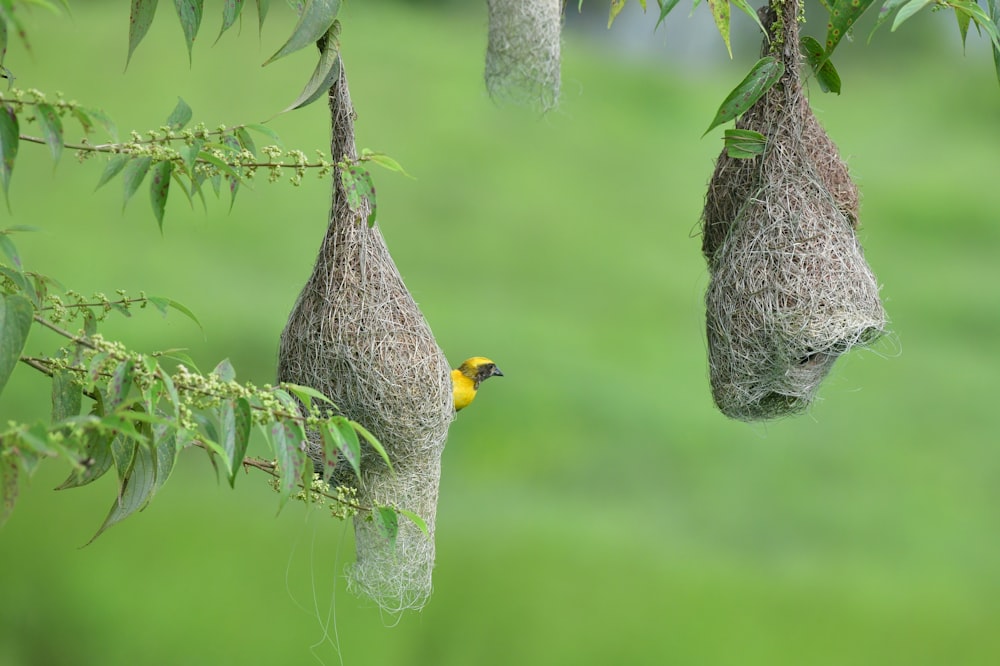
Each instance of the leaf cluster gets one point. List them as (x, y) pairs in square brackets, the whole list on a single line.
[(133, 412)]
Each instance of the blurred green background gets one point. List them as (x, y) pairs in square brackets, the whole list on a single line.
[(595, 508)]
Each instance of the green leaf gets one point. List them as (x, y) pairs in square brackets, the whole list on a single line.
[(16, 316), (180, 116), (9, 135), (665, 7), (908, 10), (385, 162), (8, 248), (232, 144), (139, 21), (189, 12), (165, 450), (819, 61), (137, 480), (235, 421), (764, 74), (105, 121), (159, 188), (616, 8), (246, 141), (963, 25), (95, 462), (8, 484), (52, 129), (262, 6), (290, 456), (120, 384), (316, 18), (112, 169), (345, 439), (225, 371), (266, 131), (842, 17), (744, 144), (135, 172), (358, 186), (720, 12), (326, 72), (374, 443), (982, 20), (415, 519), (67, 396), (994, 15), (163, 304), (306, 394), (745, 7), (387, 523), (230, 12)]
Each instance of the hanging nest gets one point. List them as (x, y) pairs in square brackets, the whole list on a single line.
[(522, 55), (790, 290), (357, 335)]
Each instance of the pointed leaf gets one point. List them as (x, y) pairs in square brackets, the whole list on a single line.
[(140, 19), (16, 316), (96, 460), (165, 449), (415, 519), (907, 11), (316, 18), (347, 443), (113, 168), (843, 15), (819, 61), (325, 74), (358, 186), (246, 141), (386, 162), (665, 7), (374, 443), (387, 523), (180, 116), (225, 371), (720, 12), (762, 76), (994, 16), (105, 121), (305, 394), (189, 12), (120, 384), (290, 456), (162, 304), (135, 172), (266, 131), (236, 422), (744, 144), (230, 12), (8, 248), (137, 481), (333, 442), (159, 188), (976, 13), (745, 7), (262, 6), (67, 396), (9, 135), (616, 8), (52, 129)]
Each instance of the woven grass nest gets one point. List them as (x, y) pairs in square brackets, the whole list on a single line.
[(522, 53), (357, 335), (790, 289)]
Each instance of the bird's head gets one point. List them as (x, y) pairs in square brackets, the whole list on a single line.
[(479, 369)]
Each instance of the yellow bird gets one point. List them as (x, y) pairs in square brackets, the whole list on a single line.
[(466, 379)]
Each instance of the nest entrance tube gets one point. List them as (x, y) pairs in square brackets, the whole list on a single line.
[(357, 335), (790, 289)]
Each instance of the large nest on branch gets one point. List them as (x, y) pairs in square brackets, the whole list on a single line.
[(522, 55), (790, 289), (357, 335)]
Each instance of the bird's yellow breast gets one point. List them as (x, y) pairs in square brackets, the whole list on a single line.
[(463, 388)]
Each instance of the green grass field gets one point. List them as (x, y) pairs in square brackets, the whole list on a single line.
[(595, 508)]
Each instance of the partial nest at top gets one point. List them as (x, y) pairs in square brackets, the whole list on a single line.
[(522, 55)]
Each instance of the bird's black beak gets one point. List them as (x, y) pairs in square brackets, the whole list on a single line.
[(496, 372)]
